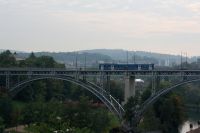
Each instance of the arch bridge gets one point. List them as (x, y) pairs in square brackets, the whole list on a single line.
[(81, 78)]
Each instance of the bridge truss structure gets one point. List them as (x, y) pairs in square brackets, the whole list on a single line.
[(79, 77)]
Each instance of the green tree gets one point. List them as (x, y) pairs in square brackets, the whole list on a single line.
[(40, 128), (45, 89), (2, 126), (149, 122), (130, 107), (7, 59), (116, 90), (145, 95), (99, 121), (170, 112), (82, 116), (164, 84), (83, 130), (6, 110)]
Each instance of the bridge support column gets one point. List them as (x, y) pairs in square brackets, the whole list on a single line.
[(108, 84), (129, 87), (7, 81)]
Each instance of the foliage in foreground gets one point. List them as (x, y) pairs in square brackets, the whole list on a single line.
[(167, 114)]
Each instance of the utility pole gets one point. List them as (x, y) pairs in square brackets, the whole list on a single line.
[(76, 76), (85, 62), (76, 64), (127, 56), (84, 76), (186, 58), (127, 61)]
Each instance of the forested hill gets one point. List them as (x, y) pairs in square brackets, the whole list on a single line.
[(92, 57), (69, 58), (120, 54)]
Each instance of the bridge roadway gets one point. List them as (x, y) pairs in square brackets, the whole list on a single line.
[(70, 72)]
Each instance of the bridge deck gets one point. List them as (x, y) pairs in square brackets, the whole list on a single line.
[(59, 71)]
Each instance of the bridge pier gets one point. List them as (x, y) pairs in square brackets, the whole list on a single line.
[(129, 87), (108, 83), (7, 81), (155, 83)]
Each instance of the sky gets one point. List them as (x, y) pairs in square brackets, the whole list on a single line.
[(165, 26)]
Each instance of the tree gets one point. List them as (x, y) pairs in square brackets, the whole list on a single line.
[(83, 130), (168, 108), (164, 84), (2, 126), (149, 122), (130, 108), (7, 59), (32, 56), (40, 128), (81, 117), (6, 110), (99, 120), (16, 116), (116, 90), (145, 95)]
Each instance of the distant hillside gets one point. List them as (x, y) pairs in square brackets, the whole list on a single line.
[(69, 58), (141, 56), (120, 54), (110, 55)]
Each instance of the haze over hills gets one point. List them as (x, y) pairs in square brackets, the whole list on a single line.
[(92, 57), (120, 54)]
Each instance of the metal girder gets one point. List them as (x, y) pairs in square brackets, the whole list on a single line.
[(105, 97), (156, 96), (66, 75)]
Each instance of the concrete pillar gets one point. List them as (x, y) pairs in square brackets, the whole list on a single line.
[(129, 87)]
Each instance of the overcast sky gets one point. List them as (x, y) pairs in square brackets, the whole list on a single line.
[(167, 26)]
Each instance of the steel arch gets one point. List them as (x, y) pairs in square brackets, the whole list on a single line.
[(155, 97), (110, 102)]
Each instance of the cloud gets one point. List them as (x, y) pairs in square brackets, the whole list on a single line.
[(127, 17), (195, 7), (99, 23), (130, 23)]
